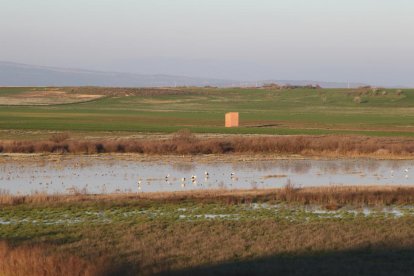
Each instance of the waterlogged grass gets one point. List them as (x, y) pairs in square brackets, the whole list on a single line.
[(386, 112), (28, 222)]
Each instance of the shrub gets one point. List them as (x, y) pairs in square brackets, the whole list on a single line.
[(59, 137)]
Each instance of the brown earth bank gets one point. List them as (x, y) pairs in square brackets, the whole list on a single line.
[(186, 143)]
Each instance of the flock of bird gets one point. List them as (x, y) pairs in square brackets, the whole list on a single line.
[(193, 179), (405, 172)]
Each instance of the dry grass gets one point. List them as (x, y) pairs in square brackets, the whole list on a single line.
[(185, 143), (59, 137), (325, 196), (157, 247), (46, 96), (30, 260), (209, 243)]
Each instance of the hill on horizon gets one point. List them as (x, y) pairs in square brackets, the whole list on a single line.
[(17, 74)]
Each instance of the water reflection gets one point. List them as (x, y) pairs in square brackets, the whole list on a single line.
[(93, 175)]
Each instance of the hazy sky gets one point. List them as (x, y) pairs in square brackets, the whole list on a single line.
[(369, 41)]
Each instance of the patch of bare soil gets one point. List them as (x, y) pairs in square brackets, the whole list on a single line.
[(46, 97)]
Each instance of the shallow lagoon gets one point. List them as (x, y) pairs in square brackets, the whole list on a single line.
[(111, 175)]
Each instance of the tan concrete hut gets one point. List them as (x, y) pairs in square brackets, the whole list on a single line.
[(232, 119)]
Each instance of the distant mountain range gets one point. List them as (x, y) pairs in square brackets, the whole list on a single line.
[(16, 74)]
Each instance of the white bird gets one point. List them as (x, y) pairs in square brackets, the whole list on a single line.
[(206, 174), (183, 179)]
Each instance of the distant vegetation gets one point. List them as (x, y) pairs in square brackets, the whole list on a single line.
[(268, 110)]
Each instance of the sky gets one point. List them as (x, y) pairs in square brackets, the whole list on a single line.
[(368, 41)]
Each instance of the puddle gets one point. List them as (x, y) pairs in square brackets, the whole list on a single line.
[(101, 176), (4, 222)]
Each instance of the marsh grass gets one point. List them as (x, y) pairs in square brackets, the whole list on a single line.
[(326, 196), (186, 143), (59, 137)]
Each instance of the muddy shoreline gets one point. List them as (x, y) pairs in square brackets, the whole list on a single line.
[(205, 158)]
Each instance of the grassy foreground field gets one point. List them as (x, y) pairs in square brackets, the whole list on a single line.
[(99, 111), (323, 231)]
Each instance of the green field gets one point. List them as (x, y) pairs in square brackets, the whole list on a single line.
[(384, 112)]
